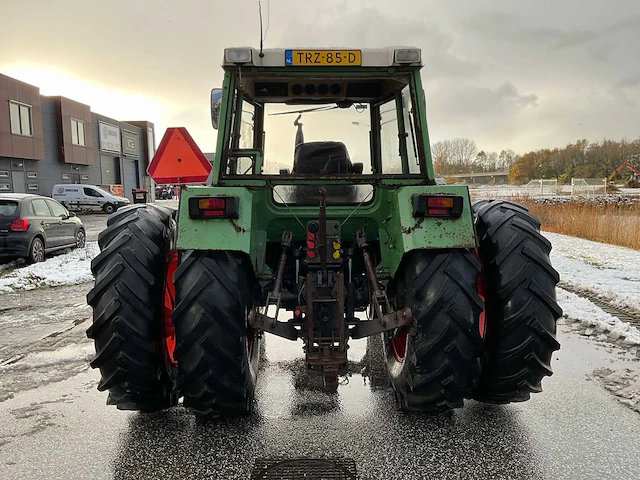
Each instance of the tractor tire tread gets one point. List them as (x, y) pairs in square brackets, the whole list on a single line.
[(214, 372), (129, 280), (441, 364), (521, 306)]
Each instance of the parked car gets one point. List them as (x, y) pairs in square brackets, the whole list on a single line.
[(76, 196), (32, 226)]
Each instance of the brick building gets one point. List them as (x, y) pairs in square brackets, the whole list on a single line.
[(46, 140)]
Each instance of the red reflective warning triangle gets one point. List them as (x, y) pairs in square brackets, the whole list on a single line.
[(178, 159)]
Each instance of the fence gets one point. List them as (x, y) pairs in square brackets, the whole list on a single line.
[(588, 186), (542, 187)]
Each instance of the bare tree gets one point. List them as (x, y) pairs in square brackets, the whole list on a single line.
[(506, 159), (454, 156), (463, 153), (441, 155)]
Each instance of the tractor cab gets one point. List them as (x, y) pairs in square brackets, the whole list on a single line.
[(362, 110)]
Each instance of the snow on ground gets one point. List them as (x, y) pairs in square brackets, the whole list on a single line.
[(611, 272), (69, 268), (596, 321)]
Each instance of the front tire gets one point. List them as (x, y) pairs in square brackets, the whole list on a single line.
[(108, 208), (216, 351), (127, 309), (521, 302), (433, 365)]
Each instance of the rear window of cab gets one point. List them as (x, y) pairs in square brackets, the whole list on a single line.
[(8, 208)]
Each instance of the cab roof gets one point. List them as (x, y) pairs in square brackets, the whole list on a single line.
[(292, 57)]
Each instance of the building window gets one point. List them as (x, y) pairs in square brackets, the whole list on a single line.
[(4, 173), (77, 132), (21, 123), (33, 186), (66, 176), (5, 187), (84, 177), (32, 174)]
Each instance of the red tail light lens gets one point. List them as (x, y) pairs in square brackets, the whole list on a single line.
[(214, 203), (19, 225), (439, 202), (446, 206), (213, 207)]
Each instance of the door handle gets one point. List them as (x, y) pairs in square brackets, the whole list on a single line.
[(43, 224)]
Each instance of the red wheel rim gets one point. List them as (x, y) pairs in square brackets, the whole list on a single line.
[(168, 328), (482, 320), (399, 344)]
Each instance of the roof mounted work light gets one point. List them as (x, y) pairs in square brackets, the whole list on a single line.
[(238, 55), (407, 55)]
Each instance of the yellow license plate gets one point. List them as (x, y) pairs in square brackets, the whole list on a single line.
[(323, 57)]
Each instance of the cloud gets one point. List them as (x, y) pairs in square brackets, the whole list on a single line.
[(629, 82), (480, 102), (371, 28), (504, 26)]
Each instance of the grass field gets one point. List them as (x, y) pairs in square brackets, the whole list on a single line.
[(603, 220)]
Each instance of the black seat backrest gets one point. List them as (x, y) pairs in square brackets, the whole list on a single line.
[(314, 157)]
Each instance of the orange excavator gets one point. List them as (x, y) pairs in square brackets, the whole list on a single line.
[(634, 180)]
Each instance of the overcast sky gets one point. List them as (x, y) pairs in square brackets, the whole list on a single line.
[(506, 73)]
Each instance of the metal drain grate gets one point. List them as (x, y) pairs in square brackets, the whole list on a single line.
[(304, 468)]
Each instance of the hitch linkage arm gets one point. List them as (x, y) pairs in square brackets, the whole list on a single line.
[(261, 321), (381, 321)]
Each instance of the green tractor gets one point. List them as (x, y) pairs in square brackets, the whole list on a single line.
[(341, 235)]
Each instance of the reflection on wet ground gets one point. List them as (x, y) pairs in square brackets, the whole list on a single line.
[(357, 422)]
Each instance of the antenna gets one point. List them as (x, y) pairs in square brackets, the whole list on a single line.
[(264, 36), (261, 54)]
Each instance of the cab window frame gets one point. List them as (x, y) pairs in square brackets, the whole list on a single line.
[(408, 132)]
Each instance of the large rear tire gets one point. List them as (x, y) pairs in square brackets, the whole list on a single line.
[(216, 351), (521, 302), (127, 309), (433, 365)]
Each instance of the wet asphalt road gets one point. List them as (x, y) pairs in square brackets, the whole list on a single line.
[(574, 429), (55, 424)]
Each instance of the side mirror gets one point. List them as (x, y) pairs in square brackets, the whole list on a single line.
[(71, 214), (357, 168), (216, 101)]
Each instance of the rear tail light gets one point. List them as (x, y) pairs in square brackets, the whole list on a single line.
[(19, 225), (447, 206), (213, 207)]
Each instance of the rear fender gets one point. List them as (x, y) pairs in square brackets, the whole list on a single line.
[(222, 234), (405, 233)]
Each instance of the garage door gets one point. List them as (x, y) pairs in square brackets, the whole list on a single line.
[(130, 177), (110, 170)]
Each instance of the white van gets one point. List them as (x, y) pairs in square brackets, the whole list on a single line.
[(76, 196)]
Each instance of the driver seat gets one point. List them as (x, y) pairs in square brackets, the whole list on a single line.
[(321, 158)]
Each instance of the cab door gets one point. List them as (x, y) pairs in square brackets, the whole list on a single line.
[(49, 224)]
